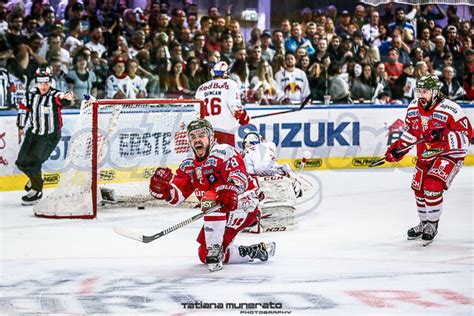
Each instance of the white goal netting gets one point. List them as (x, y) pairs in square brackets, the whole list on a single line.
[(116, 146)]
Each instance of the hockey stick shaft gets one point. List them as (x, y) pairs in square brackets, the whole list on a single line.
[(381, 161), (303, 104), (146, 239)]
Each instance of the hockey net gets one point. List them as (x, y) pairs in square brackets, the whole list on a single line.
[(116, 146)]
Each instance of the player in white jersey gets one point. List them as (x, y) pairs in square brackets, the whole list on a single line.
[(260, 160), (222, 106)]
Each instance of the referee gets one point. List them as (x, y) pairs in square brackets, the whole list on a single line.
[(42, 111)]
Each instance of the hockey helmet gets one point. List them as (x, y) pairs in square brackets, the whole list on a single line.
[(252, 138), (219, 69), (430, 82), (201, 124), (43, 74)]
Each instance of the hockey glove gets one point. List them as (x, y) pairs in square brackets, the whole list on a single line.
[(160, 187), (435, 134), (228, 196), (242, 117), (392, 154), (208, 200)]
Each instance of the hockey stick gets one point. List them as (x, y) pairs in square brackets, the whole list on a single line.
[(303, 104), (381, 161), (146, 239)]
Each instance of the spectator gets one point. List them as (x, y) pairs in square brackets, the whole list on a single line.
[(254, 37), (58, 76), (15, 36), (400, 22), (304, 64), (278, 42), (49, 18), (335, 50), (240, 74), (342, 27), (138, 83), (227, 44), (264, 86), (285, 28), (360, 17), (194, 74), (55, 47), (73, 41), (393, 67), (278, 62), (451, 88), (447, 62), (439, 51), (371, 30), (338, 87), (330, 29), (425, 13), (297, 40), (96, 39), (310, 30), (404, 88), (137, 43), (421, 69), (453, 43), (186, 42), (381, 79), (177, 81), (424, 42), (265, 40), (81, 80), (31, 26), (292, 81), (239, 41), (118, 85), (200, 51), (255, 58), (318, 82)]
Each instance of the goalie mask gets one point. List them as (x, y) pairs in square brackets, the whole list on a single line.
[(251, 139), (428, 90), (219, 70), (194, 132)]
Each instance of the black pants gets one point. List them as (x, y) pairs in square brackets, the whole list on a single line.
[(34, 151)]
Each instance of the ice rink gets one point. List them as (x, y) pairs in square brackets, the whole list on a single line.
[(348, 255)]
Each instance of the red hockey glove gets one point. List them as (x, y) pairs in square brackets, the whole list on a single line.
[(242, 117), (391, 155), (228, 196), (435, 134), (160, 187), (208, 200)]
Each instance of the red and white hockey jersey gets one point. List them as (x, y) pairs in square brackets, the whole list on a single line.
[(445, 113), (223, 165), (221, 103)]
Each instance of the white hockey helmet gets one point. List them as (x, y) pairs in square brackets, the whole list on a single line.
[(252, 138), (220, 69)]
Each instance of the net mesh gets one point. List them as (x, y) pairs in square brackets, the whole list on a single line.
[(132, 140)]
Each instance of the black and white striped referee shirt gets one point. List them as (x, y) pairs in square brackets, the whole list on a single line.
[(42, 113)]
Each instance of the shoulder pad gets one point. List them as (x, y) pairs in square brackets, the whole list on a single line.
[(186, 164), (223, 151), (451, 108)]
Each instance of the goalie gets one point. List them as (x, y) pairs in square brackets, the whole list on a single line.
[(216, 174), (260, 161)]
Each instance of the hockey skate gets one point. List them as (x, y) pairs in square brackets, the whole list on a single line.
[(429, 232), (28, 186), (416, 232), (31, 198), (261, 251), (215, 258)]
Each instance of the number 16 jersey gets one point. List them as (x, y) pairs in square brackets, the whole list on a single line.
[(221, 98)]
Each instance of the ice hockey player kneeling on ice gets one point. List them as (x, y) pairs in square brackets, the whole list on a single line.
[(215, 174), (260, 160), (446, 131)]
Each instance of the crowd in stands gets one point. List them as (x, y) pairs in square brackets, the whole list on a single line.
[(108, 50)]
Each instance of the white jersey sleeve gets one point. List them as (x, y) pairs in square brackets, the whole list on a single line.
[(260, 159)]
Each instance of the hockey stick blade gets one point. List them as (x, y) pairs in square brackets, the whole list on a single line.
[(125, 232), (303, 104)]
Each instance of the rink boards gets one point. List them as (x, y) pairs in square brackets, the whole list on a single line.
[(338, 137)]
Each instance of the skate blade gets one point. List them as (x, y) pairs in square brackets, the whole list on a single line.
[(271, 247), (413, 238), (23, 203), (427, 242), (213, 267)]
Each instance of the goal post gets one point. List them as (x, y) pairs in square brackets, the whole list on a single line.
[(116, 146)]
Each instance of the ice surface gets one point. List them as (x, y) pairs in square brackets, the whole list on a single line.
[(347, 256)]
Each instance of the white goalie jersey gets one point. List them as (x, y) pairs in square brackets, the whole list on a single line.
[(260, 160)]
